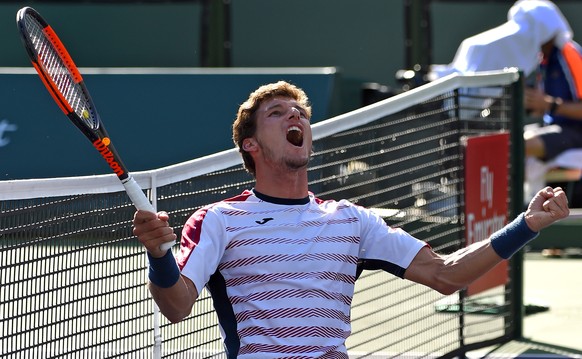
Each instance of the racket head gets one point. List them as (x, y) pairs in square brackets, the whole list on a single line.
[(56, 68), (65, 84)]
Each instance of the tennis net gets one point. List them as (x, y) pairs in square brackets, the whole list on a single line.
[(73, 276)]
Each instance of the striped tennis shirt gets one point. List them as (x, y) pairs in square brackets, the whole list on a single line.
[(282, 272)]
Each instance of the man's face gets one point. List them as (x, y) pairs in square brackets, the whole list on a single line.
[(283, 134)]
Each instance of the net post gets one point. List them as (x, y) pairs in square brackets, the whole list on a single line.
[(462, 292), (157, 348), (516, 183), (158, 339)]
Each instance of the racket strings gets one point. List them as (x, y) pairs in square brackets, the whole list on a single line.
[(54, 66)]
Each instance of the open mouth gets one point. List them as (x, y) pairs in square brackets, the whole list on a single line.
[(295, 136)]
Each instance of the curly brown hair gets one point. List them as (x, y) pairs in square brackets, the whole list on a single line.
[(245, 124)]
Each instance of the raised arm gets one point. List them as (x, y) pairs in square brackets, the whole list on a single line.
[(449, 273), (174, 293)]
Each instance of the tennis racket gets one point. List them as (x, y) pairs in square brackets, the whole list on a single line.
[(63, 81)]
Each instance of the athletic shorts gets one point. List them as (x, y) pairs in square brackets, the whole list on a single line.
[(559, 138)]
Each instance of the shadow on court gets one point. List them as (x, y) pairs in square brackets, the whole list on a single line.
[(555, 332), (526, 349)]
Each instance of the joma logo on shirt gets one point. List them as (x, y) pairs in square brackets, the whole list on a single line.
[(264, 220)]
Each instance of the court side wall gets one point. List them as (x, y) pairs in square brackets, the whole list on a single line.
[(154, 120)]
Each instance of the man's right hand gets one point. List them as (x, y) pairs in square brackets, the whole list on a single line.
[(152, 230)]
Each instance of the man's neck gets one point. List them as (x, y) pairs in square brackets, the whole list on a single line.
[(290, 185)]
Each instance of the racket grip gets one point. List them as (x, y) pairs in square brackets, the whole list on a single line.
[(141, 202), (135, 193)]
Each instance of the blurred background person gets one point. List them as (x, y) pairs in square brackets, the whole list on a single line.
[(538, 40)]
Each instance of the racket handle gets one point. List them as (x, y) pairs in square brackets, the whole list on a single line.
[(141, 202), (135, 193)]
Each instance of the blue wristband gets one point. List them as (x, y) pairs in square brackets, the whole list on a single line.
[(163, 271), (513, 237)]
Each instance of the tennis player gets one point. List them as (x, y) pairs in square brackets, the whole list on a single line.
[(281, 264)]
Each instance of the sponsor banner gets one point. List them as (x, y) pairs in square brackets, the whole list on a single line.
[(486, 198)]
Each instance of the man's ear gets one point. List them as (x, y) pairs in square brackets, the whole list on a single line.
[(249, 144)]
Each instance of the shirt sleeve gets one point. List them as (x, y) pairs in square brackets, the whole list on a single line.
[(384, 247), (201, 247)]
